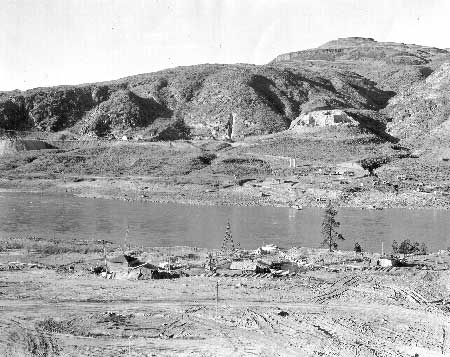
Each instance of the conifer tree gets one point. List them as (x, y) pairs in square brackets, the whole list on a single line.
[(329, 228), (228, 243)]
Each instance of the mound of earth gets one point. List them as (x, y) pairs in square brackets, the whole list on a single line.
[(13, 146)]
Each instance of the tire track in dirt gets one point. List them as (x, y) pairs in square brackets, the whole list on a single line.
[(337, 289), (19, 338), (330, 328)]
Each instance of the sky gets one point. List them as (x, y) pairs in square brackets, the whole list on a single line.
[(53, 42)]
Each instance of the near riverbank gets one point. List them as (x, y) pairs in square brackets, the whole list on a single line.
[(265, 192), (53, 303)]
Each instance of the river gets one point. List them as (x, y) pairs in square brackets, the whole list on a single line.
[(158, 224)]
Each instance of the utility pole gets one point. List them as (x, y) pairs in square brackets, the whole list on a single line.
[(127, 244), (382, 248), (169, 258), (104, 255), (104, 242), (217, 298)]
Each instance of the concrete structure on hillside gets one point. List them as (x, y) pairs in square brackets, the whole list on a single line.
[(323, 118)]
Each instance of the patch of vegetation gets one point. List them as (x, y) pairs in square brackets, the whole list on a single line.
[(407, 247), (241, 166), (49, 246), (65, 327), (115, 160), (310, 149)]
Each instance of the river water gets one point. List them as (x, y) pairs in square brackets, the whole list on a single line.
[(157, 224)]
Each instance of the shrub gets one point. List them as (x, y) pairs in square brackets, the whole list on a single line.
[(49, 246), (371, 164)]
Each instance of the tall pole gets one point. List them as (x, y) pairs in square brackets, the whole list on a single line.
[(217, 298), (382, 248), (169, 258), (104, 255), (127, 245)]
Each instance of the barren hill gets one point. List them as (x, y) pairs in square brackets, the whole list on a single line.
[(357, 75), (207, 99), (393, 66), (421, 114)]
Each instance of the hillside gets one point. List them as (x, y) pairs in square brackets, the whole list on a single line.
[(392, 66), (394, 91), (417, 76), (208, 101), (421, 114)]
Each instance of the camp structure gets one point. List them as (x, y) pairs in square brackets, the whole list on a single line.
[(249, 266)]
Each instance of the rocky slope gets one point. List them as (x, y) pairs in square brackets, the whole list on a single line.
[(209, 100), (417, 114), (357, 75), (393, 66), (421, 114)]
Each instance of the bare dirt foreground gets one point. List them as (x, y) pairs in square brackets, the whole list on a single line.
[(49, 310)]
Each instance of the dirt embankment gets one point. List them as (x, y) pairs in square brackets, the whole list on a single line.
[(11, 147)]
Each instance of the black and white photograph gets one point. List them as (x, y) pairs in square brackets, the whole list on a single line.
[(224, 178)]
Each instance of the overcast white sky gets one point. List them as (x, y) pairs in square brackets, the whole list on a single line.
[(50, 42)]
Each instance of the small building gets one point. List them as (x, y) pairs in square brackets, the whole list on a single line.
[(385, 262), (269, 248)]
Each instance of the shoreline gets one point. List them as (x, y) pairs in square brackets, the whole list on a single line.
[(90, 192)]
